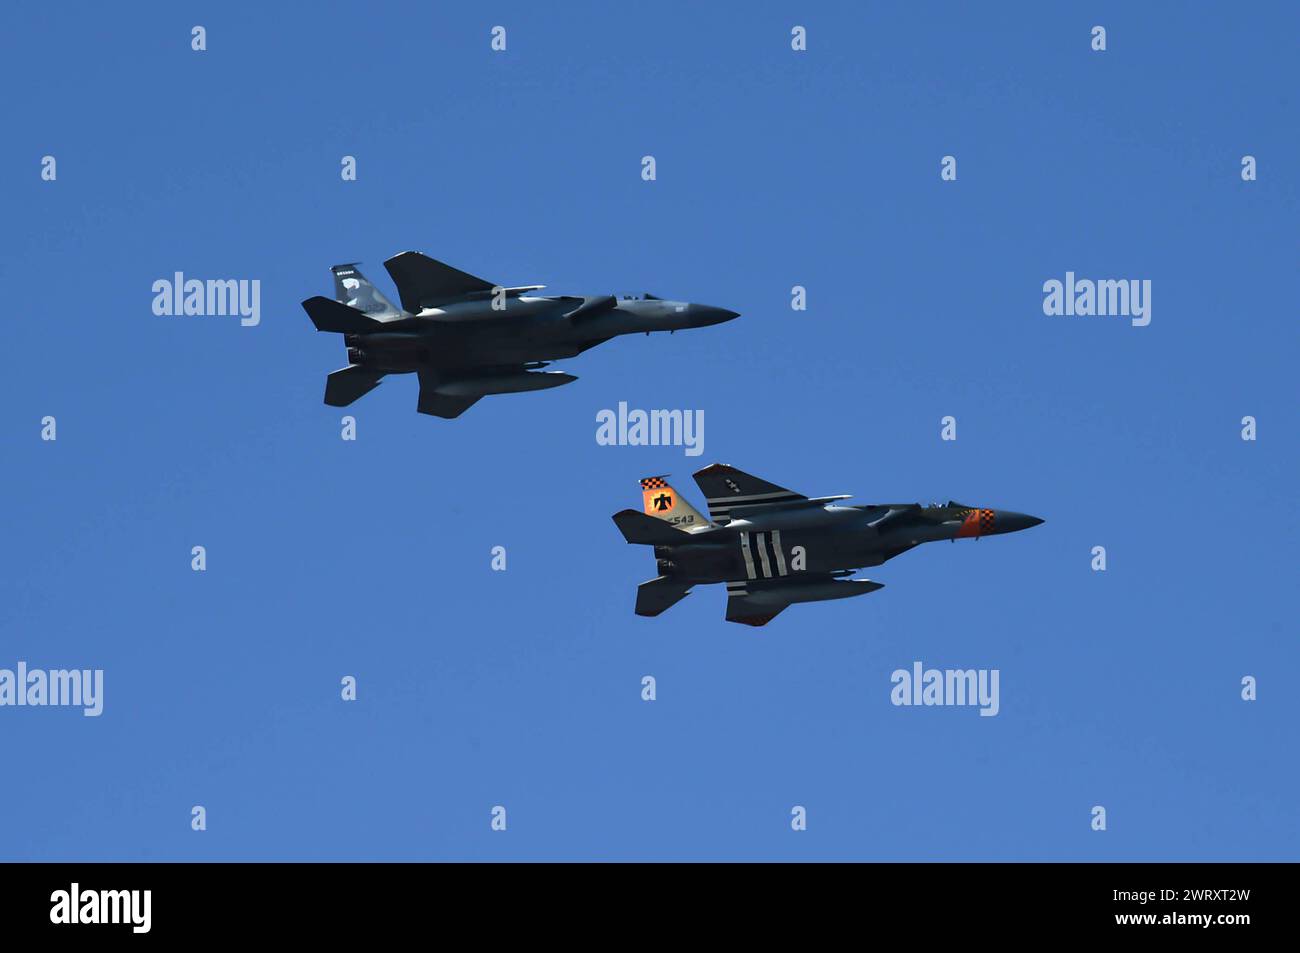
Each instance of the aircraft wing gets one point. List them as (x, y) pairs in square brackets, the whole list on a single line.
[(747, 610), (758, 601), (742, 511), (440, 405), (726, 488), (421, 281)]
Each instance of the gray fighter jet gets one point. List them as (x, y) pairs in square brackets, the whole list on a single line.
[(467, 338), (774, 547)]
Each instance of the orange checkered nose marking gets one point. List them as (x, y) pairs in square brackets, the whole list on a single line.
[(975, 523)]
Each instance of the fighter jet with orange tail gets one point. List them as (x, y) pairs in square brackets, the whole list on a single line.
[(773, 547)]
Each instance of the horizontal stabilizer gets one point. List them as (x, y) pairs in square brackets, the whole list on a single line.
[(655, 596), (330, 315), (345, 386), (646, 530)]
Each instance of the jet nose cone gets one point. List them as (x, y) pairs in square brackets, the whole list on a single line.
[(703, 315), (1009, 522)]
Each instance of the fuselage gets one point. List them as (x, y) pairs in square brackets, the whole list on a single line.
[(466, 335), (783, 543)]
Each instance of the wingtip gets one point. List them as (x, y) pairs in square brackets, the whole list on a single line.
[(714, 468)]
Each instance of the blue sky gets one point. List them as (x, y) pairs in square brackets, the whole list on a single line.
[(522, 688)]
